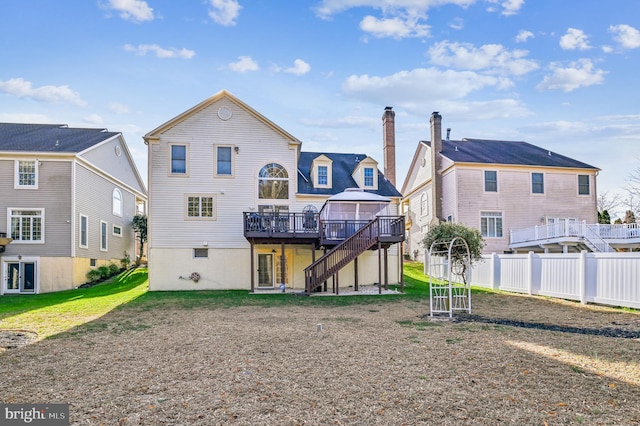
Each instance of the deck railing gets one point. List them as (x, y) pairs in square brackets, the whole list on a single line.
[(279, 223), (576, 229), (341, 255)]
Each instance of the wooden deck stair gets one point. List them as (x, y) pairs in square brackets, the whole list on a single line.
[(341, 255)]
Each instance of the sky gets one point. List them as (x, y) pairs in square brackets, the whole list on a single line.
[(562, 75)]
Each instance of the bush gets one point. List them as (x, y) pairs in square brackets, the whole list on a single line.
[(93, 275), (104, 271), (113, 269)]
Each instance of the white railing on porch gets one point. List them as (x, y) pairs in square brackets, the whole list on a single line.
[(575, 229)]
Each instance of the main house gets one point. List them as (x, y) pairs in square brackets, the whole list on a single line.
[(67, 199), (234, 203), (495, 186)]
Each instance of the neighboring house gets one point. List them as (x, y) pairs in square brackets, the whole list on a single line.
[(67, 199), (496, 187), (234, 203)]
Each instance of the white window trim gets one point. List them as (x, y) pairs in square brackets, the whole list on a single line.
[(113, 202), (214, 207), (424, 210), (169, 159), (42, 225), (484, 182), (531, 184), (493, 218), (589, 183), (322, 161), (215, 161), (106, 235), (374, 177), (16, 175), (113, 231), (85, 246)]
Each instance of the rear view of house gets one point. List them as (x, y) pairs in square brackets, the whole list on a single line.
[(67, 199), (234, 203), (496, 187)]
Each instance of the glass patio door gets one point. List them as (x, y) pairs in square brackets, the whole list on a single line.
[(21, 277), (265, 270)]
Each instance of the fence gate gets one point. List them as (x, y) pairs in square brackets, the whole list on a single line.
[(449, 277)]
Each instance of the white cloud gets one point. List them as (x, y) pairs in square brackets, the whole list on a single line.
[(578, 74), (417, 85), (491, 57), (244, 64), (224, 12), (627, 36), (132, 10), (393, 27), (160, 52), (93, 119), (457, 24), (523, 36), (118, 108), (21, 88), (299, 67), (574, 39), (511, 7), (327, 8), (25, 118)]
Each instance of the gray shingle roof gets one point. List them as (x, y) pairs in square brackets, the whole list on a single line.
[(505, 152), (342, 167), (49, 137)]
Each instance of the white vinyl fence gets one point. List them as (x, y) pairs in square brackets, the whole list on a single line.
[(604, 278)]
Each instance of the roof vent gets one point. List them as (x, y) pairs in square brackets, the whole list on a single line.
[(549, 152), (57, 142), (456, 149)]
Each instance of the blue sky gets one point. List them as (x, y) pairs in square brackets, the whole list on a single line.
[(559, 74)]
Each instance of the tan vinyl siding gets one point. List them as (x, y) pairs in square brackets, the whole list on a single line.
[(53, 195), (257, 143)]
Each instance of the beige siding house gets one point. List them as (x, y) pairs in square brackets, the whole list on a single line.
[(234, 202), (496, 187), (67, 199)]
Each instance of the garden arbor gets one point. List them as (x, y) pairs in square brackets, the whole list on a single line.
[(449, 276)]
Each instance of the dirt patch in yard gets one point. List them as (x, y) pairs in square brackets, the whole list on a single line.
[(373, 364)]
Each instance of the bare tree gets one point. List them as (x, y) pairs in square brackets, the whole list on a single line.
[(609, 202)]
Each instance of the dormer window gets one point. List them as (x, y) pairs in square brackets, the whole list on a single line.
[(366, 174), (321, 172), (368, 177)]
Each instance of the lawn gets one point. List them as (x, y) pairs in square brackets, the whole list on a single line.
[(121, 355)]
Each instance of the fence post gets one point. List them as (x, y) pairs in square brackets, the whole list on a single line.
[(494, 271), (583, 277), (530, 273)]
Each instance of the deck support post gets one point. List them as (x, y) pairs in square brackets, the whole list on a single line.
[(401, 267), (386, 268), (379, 268), (355, 274), (282, 264), (252, 267)]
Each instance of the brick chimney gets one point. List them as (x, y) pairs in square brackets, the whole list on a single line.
[(436, 167), (389, 144)]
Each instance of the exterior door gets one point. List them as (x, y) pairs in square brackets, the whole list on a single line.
[(265, 270), (21, 277)]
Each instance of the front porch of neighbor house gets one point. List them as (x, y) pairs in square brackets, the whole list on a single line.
[(566, 236), (273, 235)]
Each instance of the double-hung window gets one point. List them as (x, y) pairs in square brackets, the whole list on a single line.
[(490, 181), (537, 183), (323, 176), (200, 207), (178, 159), (27, 225), (583, 185), (368, 177), (491, 224), (26, 174), (224, 161)]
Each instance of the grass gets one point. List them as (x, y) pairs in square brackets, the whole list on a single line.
[(53, 313)]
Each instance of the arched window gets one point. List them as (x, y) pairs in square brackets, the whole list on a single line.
[(424, 204), (117, 202), (273, 182)]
